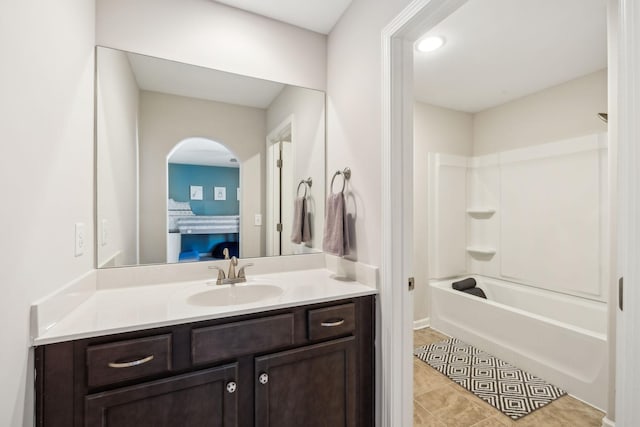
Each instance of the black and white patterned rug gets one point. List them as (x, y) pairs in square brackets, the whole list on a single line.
[(510, 390)]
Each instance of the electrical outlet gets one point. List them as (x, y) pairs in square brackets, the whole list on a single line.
[(257, 220), (104, 234), (80, 238)]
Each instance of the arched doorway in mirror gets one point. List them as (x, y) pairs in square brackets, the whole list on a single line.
[(203, 201)]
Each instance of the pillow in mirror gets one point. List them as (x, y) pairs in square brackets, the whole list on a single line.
[(178, 206)]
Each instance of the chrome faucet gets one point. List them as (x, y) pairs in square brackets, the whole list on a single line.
[(220, 279), (231, 277), (232, 268)]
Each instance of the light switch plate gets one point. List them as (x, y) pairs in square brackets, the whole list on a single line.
[(257, 220), (80, 239)]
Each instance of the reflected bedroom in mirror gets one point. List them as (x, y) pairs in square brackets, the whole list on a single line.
[(196, 164)]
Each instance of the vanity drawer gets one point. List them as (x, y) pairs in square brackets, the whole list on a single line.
[(215, 343), (126, 360), (331, 321)]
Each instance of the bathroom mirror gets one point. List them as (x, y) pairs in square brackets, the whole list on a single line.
[(193, 163)]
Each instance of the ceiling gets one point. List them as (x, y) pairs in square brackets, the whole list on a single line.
[(164, 76), (176, 78), (315, 15), (500, 50), (496, 50), (204, 152)]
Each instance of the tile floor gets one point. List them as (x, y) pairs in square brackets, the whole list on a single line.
[(439, 402)]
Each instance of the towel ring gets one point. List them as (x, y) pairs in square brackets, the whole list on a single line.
[(346, 174), (307, 183), (298, 190)]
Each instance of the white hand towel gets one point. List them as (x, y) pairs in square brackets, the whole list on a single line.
[(336, 235)]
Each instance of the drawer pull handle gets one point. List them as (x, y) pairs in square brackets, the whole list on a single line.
[(231, 387), (132, 363), (331, 323)]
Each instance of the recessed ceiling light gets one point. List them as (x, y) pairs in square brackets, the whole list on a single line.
[(429, 44)]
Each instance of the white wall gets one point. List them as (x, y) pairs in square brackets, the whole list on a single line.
[(117, 149), (435, 130), (206, 33), (354, 81), (553, 217), (308, 110), (560, 112), (564, 111), (548, 224), (166, 120), (46, 166)]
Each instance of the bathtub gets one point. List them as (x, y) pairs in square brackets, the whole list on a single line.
[(559, 338)]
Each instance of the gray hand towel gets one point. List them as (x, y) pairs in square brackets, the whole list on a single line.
[(336, 235), (301, 230), (306, 225)]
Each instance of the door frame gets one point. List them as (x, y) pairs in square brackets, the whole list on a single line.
[(396, 304), (627, 392), (275, 136)]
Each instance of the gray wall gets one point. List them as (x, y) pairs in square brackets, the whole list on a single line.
[(166, 120), (117, 148)]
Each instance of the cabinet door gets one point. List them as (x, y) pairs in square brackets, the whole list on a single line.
[(309, 386), (203, 398)]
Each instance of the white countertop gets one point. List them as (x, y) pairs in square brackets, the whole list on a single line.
[(112, 311)]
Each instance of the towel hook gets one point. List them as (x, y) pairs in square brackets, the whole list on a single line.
[(346, 174), (307, 184)]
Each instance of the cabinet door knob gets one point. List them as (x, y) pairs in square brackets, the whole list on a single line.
[(231, 386), (263, 378)]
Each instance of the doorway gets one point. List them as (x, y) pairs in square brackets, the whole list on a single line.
[(203, 201), (398, 39), (279, 187)]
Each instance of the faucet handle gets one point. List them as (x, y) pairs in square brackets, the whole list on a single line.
[(232, 268), (221, 276), (241, 270)]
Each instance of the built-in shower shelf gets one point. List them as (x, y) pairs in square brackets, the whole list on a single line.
[(481, 211), (481, 250)]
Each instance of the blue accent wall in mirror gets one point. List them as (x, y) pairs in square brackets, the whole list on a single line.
[(181, 177)]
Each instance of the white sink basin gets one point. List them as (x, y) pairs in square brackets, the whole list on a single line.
[(234, 295)]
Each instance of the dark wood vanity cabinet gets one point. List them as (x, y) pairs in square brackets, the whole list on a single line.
[(309, 386), (194, 399), (303, 366)]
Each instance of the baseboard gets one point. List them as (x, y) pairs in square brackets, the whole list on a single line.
[(606, 422), (421, 323)]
